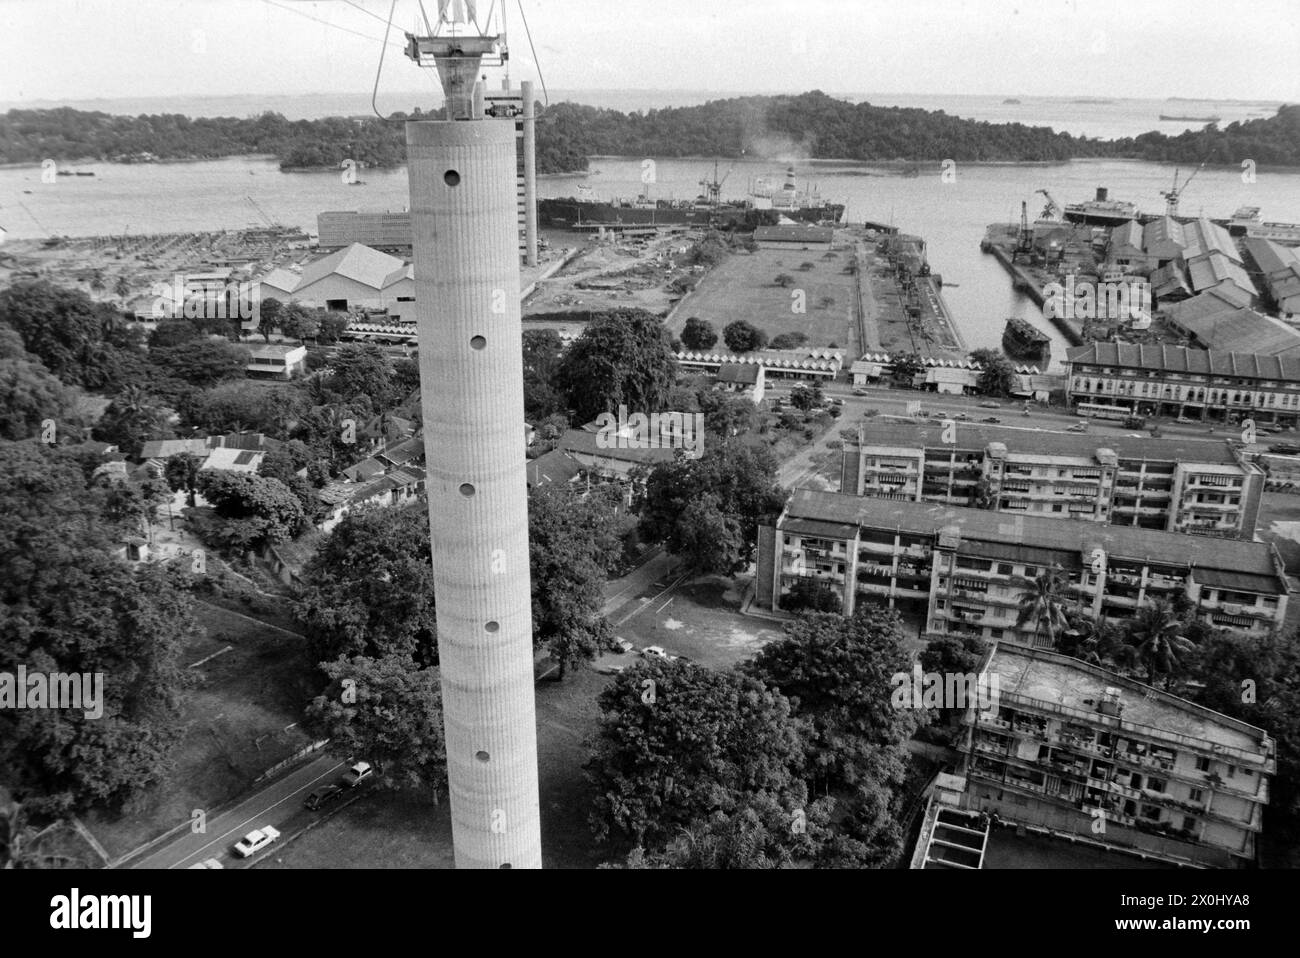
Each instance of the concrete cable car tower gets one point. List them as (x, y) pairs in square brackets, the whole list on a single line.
[(465, 226)]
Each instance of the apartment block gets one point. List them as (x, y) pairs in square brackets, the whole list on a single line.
[(1078, 751), (964, 568), (1175, 485)]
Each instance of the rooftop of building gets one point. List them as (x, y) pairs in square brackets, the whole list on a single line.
[(359, 263), (274, 350), (1036, 442), (1037, 539), (1057, 681), (741, 374), (1218, 323), (1271, 257), (1183, 359)]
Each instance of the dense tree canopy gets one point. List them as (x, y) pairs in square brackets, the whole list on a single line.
[(390, 712), (69, 605)]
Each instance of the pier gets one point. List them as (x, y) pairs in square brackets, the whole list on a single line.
[(1027, 283)]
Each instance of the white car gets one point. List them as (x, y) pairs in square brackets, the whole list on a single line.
[(357, 774), (255, 841), (623, 646), (656, 652), (208, 863)]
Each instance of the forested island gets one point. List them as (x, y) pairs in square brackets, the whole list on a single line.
[(817, 125)]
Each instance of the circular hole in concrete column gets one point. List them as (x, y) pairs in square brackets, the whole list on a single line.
[(466, 489), (451, 178), (478, 342), (481, 755), (493, 626)]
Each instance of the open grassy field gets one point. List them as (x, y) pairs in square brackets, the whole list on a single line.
[(240, 719), (742, 287)]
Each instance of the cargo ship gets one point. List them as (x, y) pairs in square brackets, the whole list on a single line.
[(1021, 340), (765, 206), (1101, 211)]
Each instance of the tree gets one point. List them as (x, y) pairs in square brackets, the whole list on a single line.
[(131, 419), (623, 357), (691, 743), (269, 313), (726, 414), (838, 671), (360, 377), (281, 464), (173, 332), (389, 711), (76, 338), (202, 362), (71, 606), (235, 406), (368, 590), (1155, 632), (1043, 602), (182, 472), (325, 430), (698, 334), (792, 340), (254, 510), (728, 491), (784, 280), (743, 337), (572, 546), (28, 396), (813, 595), (998, 377)]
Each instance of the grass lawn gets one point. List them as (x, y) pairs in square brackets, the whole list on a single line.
[(742, 287), (237, 721)]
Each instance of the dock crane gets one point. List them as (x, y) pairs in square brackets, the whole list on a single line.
[(1024, 236), (713, 188), (1053, 210), (262, 213), (1175, 192)]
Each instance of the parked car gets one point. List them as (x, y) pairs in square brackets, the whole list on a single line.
[(656, 652), (1284, 449), (256, 840), (208, 863), (323, 796), (357, 774), (859, 392), (990, 405), (961, 415), (622, 645), (837, 401), (1078, 427), (991, 419)]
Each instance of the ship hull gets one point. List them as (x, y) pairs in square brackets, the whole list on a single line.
[(579, 214), (1021, 341)]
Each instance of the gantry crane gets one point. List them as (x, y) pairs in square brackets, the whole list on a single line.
[(1175, 192)]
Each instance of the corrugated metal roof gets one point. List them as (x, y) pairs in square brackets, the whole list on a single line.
[(1184, 359)]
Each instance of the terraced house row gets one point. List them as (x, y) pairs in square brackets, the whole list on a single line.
[(964, 568), (1174, 485), (1070, 745), (1208, 385)]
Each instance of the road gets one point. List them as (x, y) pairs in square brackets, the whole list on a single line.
[(273, 805)]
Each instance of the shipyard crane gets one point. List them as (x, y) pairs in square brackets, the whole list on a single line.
[(713, 187), (262, 213), (1053, 209), (1175, 192), (1024, 237)]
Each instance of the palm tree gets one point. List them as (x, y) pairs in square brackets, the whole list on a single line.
[(1155, 636), (1096, 641), (1044, 602)]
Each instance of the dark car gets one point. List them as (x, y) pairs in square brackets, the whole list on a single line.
[(323, 796), (991, 419)]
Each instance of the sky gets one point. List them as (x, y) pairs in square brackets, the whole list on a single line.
[(78, 49)]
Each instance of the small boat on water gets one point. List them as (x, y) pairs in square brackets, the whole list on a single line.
[(1190, 119), (1021, 340)]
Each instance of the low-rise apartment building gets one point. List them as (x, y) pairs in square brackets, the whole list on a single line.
[(966, 568), (1208, 385), (1176, 485), (1079, 751)]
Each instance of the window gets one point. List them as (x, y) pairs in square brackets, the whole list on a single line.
[(1156, 784), (1196, 797), (1005, 568), (1151, 812), (1030, 571), (1189, 823), (1202, 763), (995, 633), (1232, 771)]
